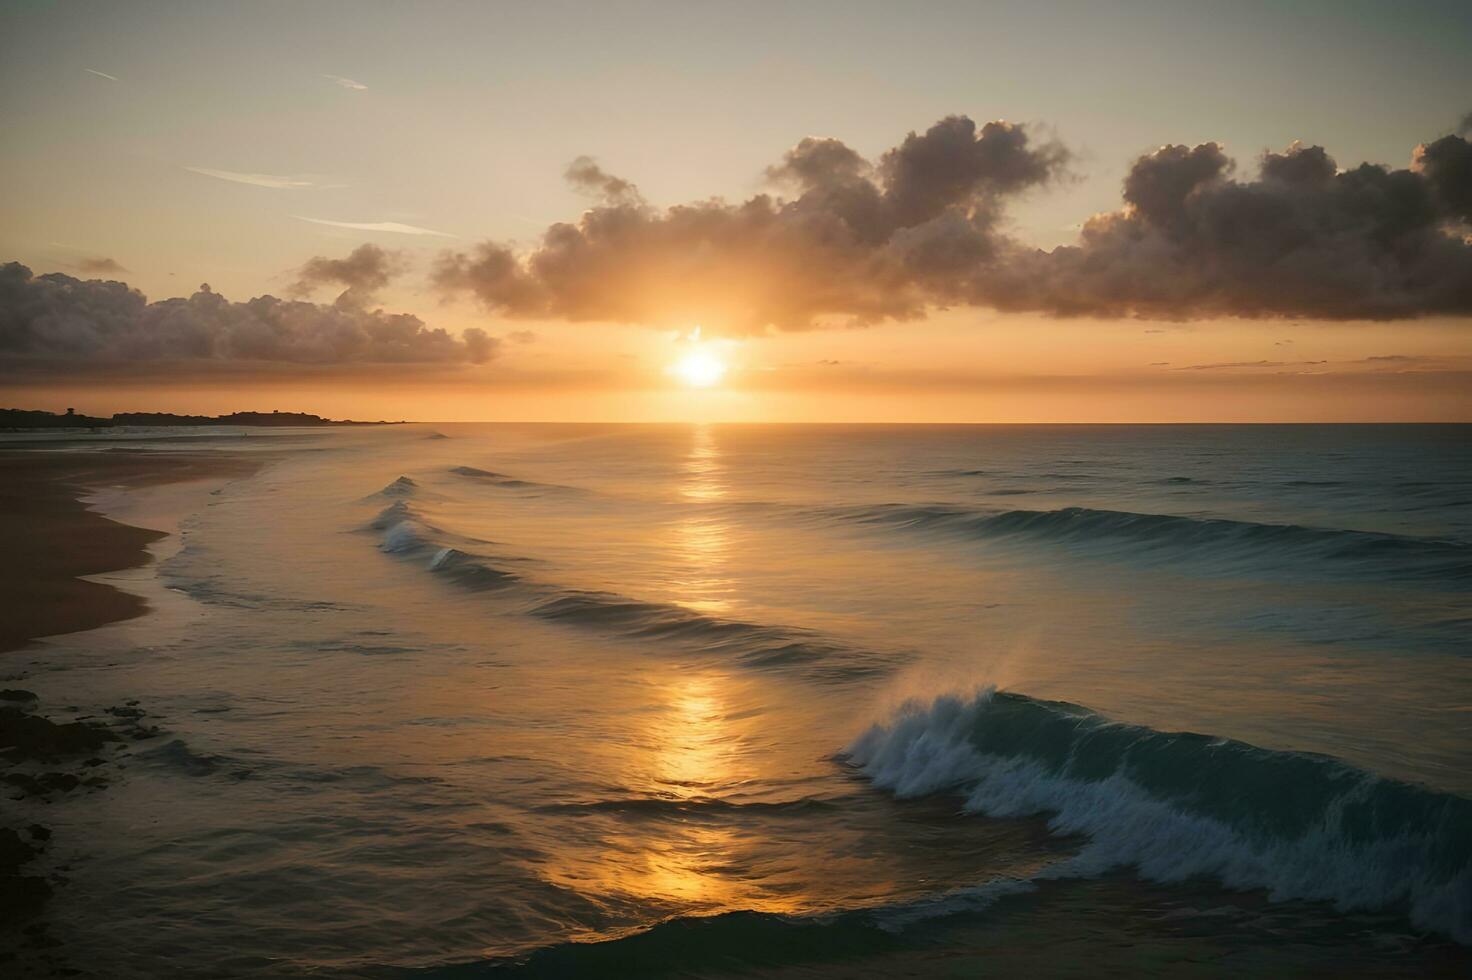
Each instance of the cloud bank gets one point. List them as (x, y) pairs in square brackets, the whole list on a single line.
[(856, 242), (859, 242), (1303, 239), (55, 323)]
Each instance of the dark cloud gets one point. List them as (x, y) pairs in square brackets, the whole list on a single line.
[(363, 272), (1307, 166), (57, 321), (858, 244), (585, 175), (1302, 240), (1248, 364), (1446, 165), (819, 162), (101, 266), (922, 228)]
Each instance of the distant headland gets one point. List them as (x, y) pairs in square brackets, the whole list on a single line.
[(18, 418)]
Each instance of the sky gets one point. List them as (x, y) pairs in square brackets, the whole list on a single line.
[(1004, 212)]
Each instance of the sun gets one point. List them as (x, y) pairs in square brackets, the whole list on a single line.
[(699, 369)]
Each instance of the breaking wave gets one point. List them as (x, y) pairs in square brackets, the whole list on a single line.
[(1174, 805)]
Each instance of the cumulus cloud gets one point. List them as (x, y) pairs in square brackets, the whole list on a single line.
[(849, 241), (57, 322), (856, 244), (363, 272), (585, 175), (1303, 239)]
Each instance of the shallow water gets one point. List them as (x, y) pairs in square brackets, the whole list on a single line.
[(446, 701)]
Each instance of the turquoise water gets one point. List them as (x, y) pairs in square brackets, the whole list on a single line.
[(809, 701)]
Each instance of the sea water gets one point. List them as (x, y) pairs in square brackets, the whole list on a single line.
[(800, 700)]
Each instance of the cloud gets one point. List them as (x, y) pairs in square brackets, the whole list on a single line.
[(1226, 365), (101, 74), (346, 83), (585, 175), (389, 226), (848, 241), (363, 272), (256, 180), (1446, 166), (857, 244), (55, 323), (100, 265), (1304, 239), (522, 336)]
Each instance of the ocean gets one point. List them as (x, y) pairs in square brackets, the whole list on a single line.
[(711, 700)]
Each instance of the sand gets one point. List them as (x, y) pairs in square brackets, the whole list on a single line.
[(49, 538)]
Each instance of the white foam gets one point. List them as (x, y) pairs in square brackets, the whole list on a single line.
[(928, 749), (403, 536)]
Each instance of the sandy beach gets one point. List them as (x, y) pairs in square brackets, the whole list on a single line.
[(53, 539)]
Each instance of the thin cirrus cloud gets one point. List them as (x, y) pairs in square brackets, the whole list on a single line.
[(389, 226), (101, 74), (273, 181), (1234, 365), (347, 83)]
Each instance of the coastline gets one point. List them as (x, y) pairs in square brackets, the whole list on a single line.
[(56, 538), (66, 569)]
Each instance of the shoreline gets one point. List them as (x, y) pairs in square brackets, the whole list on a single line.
[(57, 538)]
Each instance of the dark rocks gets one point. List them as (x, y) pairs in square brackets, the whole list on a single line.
[(25, 736), (21, 896)]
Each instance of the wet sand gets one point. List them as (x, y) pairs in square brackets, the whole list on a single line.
[(51, 537)]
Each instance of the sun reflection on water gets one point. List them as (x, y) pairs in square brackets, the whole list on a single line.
[(701, 538)]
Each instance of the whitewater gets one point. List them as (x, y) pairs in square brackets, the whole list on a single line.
[(524, 700)]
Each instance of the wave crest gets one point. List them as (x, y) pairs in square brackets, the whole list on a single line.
[(1230, 545), (1176, 805)]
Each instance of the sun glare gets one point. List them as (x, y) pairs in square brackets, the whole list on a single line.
[(699, 369)]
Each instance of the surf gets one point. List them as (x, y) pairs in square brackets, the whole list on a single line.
[(1177, 805)]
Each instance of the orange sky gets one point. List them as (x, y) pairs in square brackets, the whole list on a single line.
[(569, 199)]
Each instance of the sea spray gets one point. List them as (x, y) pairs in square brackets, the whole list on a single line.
[(1176, 805)]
